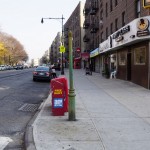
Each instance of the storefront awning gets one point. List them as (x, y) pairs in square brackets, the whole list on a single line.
[(134, 32), (94, 52)]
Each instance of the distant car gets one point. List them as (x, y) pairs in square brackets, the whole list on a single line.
[(17, 67), (42, 73), (2, 67)]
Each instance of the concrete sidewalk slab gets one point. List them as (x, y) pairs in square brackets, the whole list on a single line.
[(109, 117), (59, 133)]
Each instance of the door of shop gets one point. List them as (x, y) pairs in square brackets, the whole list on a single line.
[(93, 64), (129, 66)]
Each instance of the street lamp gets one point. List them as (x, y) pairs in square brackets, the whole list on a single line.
[(62, 40), (72, 115)]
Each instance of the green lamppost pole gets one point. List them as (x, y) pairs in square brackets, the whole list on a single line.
[(72, 95)]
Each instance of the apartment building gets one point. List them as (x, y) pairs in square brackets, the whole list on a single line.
[(35, 62), (117, 35), (75, 25), (55, 55), (110, 34), (92, 29)]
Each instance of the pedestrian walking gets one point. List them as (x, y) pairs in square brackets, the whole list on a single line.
[(54, 73)]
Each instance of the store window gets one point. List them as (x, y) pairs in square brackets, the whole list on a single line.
[(122, 58), (140, 56)]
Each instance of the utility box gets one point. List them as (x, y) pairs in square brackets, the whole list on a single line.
[(59, 88)]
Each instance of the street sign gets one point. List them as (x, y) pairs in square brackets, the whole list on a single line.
[(78, 49), (62, 49)]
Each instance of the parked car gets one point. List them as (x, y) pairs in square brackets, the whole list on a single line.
[(9, 67), (42, 73), (17, 67), (2, 67)]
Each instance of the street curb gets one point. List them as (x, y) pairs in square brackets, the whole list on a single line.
[(29, 139)]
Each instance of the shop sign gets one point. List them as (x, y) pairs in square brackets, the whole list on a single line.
[(142, 33), (57, 91), (121, 32), (146, 3), (143, 25), (78, 50), (85, 55), (104, 45), (119, 38), (62, 49)]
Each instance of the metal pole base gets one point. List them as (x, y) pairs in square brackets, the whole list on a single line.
[(72, 116)]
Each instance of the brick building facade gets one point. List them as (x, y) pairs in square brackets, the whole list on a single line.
[(75, 25), (123, 43), (116, 35)]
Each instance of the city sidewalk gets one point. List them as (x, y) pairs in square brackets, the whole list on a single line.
[(111, 114)]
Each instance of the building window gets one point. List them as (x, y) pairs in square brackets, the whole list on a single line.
[(111, 6), (101, 14), (116, 24), (123, 19), (140, 56), (102, 38), (96, 41), (122, 58), (106, 33), (101, 4), (111, 28), (116, 2), (106, 10), (138, 9)]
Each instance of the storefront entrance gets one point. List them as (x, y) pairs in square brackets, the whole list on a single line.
[(129, 66)]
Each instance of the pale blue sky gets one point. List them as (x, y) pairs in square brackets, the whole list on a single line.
[(22, 19)]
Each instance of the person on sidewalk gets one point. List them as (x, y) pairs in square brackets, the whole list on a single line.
[(54, 72), (113, 73), (91, 68)]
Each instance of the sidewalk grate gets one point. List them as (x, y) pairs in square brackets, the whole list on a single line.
[(29, 107)]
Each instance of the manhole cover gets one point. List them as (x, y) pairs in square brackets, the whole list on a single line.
[(29, 107)]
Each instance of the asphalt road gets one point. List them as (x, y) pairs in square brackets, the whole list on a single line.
[(20, 98)]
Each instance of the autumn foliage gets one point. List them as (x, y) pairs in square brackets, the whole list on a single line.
[(11, 50)]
